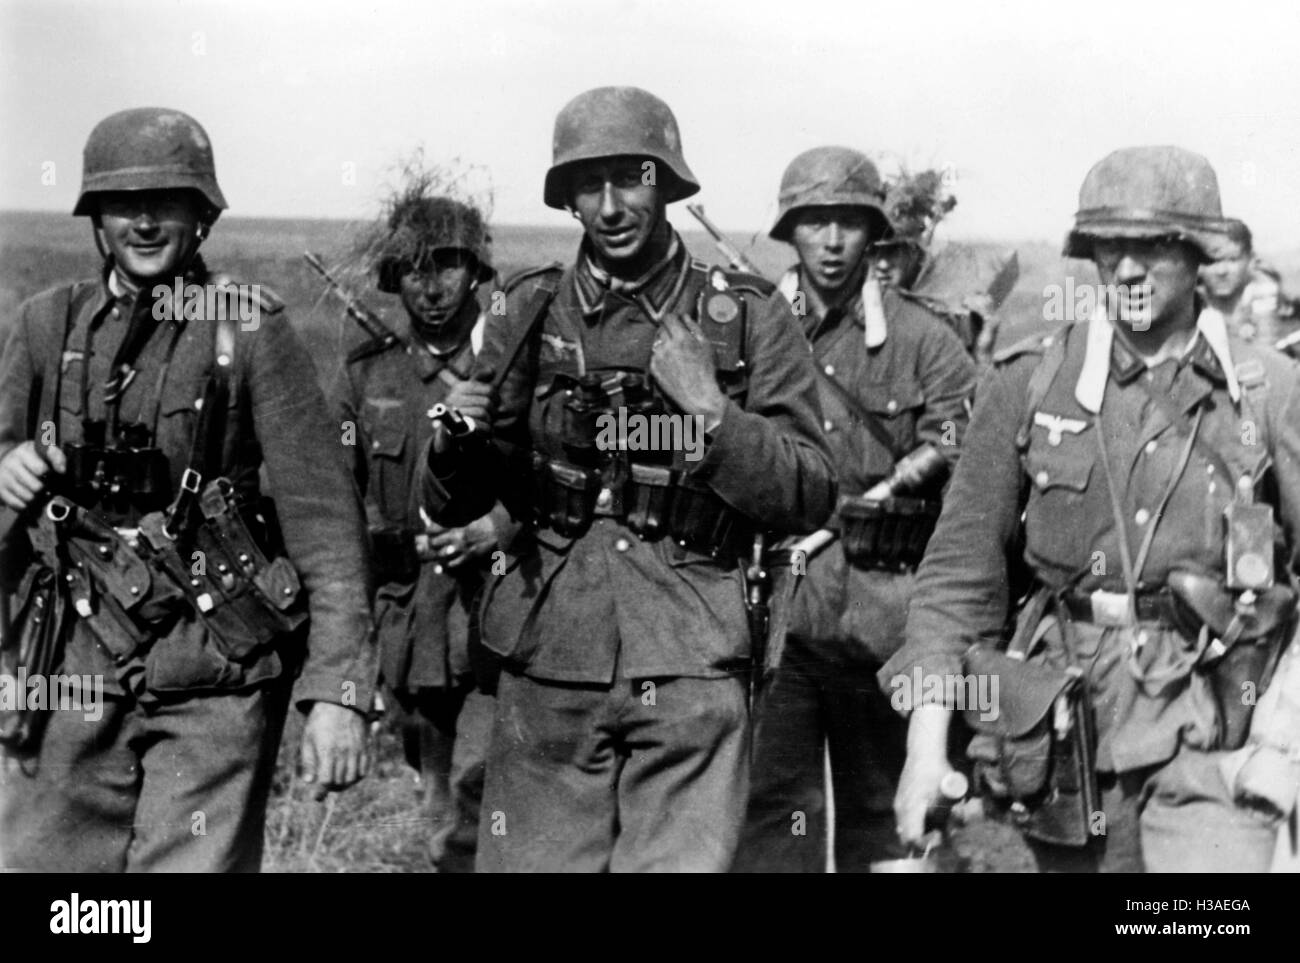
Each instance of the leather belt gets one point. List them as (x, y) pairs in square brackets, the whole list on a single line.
[(1111, 608)]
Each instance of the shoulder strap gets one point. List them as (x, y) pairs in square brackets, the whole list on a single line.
[(535, 310), (1040, 382), (209, 435), (1187, 428), (868, 417), (50, 373)]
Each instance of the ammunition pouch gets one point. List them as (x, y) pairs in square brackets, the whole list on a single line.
[(654, 501), (565, 496), (1245, 634), (701, 521), (1038, 752), (246, 601), (889, 533), (393, 556), (107, 584), (648, 499)]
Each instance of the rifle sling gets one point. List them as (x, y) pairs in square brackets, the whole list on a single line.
[(864, 414), (208, 444), (537, 306), (1184, 426), (51, 377)]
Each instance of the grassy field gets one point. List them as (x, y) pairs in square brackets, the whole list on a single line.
[(378, 826)]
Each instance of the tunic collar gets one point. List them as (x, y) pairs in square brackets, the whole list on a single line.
[(868, 309), (1105, 357)]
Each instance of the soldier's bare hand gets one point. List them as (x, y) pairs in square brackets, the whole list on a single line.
[(335, 750), (472, 397), (23, 471), (682, 363), (454, 547), (926, 766)]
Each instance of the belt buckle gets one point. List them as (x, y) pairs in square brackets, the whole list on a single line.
[(1110, 608)]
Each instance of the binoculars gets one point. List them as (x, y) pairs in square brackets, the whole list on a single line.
[(129, 475)]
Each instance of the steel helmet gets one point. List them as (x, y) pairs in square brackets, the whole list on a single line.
[(826, 176), (1145, 192), (613, 122), (148, 148)]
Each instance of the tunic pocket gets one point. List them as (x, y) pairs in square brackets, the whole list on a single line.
[(1058, 529)]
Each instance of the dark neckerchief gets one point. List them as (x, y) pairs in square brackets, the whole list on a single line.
[(593, 283), (817, 326)]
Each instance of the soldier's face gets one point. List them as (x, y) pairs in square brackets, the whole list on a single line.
[(1149, 282), (897, 265), (619, 204), (831, 242), (1228, 278), (151, 234), (433, 293)]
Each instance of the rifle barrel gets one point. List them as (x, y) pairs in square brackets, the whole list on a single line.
[(733, 253), (356, 311)]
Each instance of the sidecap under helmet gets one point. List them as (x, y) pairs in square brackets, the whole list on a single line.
[(829, 176), (1147, 192), (148, 148), (616, 122)]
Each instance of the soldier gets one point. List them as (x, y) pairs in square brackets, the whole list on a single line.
[(963, 285), (1120, 477), (432, 251), (891, 377), (1246, 292), (621, 735), (133, 424)]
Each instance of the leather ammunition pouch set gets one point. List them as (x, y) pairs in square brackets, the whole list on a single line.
[(884, 533), (130, 583), (641, 489), (887, 533)]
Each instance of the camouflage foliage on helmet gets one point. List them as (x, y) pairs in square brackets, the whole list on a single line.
[(915, 204), (148, 148), (418, 219)]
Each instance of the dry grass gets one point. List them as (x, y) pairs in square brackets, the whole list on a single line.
[(375, 827)]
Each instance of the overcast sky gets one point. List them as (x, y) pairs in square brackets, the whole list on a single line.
[(1020, 98)]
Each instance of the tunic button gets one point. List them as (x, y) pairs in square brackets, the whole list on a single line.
[(604, 499), (1150, 448), (827, 425), (1142, 517), (892, 406), (622, 545), (1041, 479), (830, 369), (374, 445)]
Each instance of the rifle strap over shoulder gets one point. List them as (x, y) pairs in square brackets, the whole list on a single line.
[(208, 443), (535, 310), (210, 431), (50, 372), (1040, 382), (869, 418)]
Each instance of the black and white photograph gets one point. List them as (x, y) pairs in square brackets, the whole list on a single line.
[(651, 436)]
